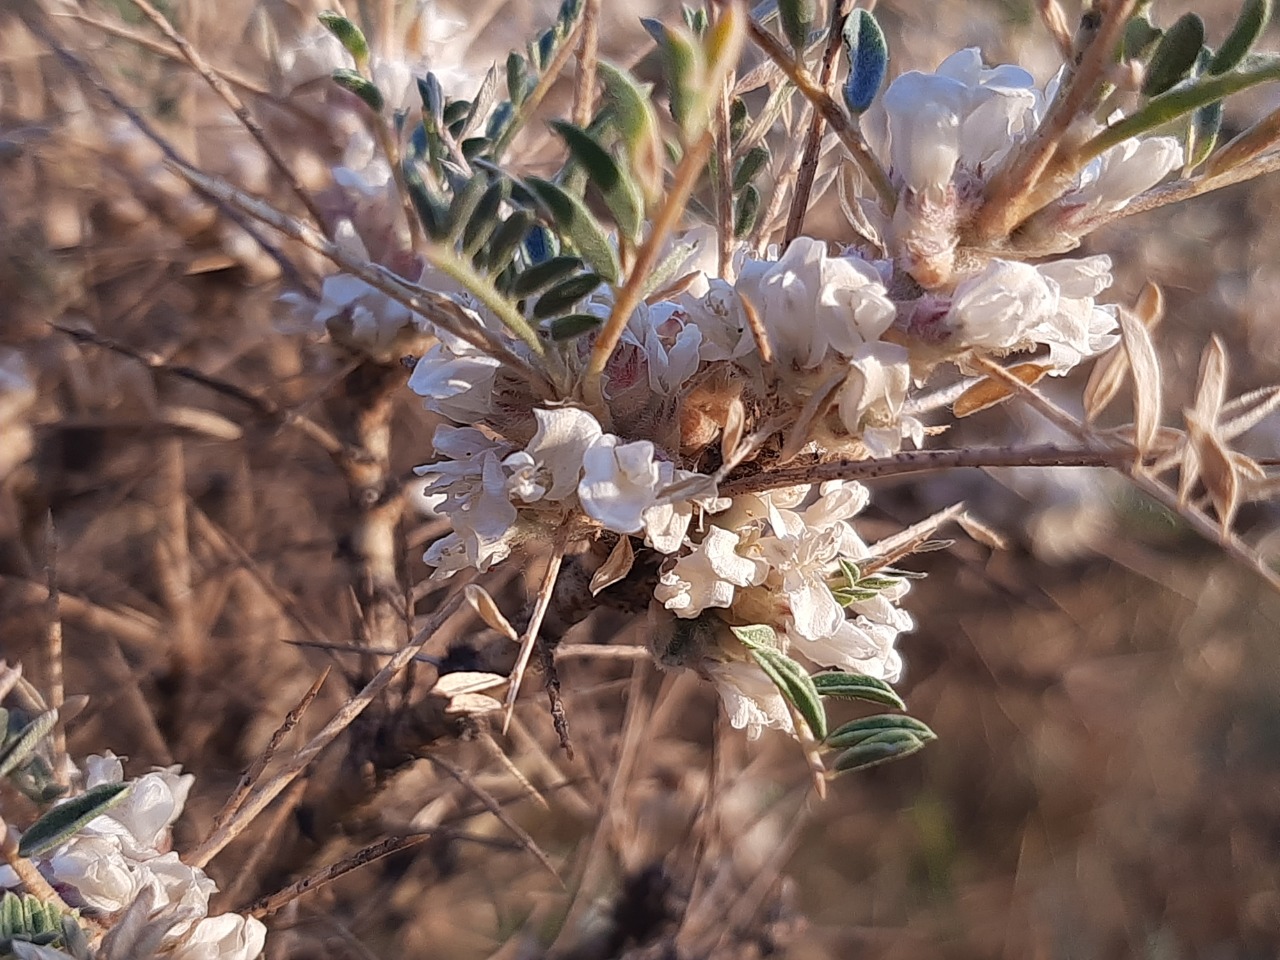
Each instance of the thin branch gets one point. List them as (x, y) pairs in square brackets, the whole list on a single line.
[(436, 307), (529, 106), (87, 75), (493, 806), (163, 49), (54, 681), (628, 298), (530, 636), (33, 880), (813, 140), (1129, 463), (247, 779), (257, 801), (584, 91), (262, 407), (236, 105), (924, 461), (831, 111), (1009, 190)]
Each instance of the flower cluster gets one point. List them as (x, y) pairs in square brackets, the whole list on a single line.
[(821, 348), (124, 854)]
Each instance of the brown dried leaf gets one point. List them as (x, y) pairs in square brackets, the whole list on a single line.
[(473, 704), (1211, 388), (1144, 366), (1109, 373), (1248, 410), (484, 605), (979, 531), (735, 422), (1217, 470), (467, 681), (988, 393), (617, 566), (815, 407)]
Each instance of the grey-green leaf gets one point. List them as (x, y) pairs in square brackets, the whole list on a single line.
[(745, 211), (752, 162), (855, 686), (362, 88), (868, 54), (1175, 55), (576, 224), (1253, 19), (1140, 35), (564, 295), (890, 745), (348, 34), (544, 274), (519, 83), (856, 731), (797, 17), (571, 326), (21, 747), (795, 684), (62, 821), (620, 194)]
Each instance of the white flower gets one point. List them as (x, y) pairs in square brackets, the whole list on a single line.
[(670, 345), (620, 482), (472, 491), (812, 304), (719, 316), (750, 698), (456, 379), (225, 937), (1121, 173), (98, 869), (708, 575), (1011, 305), (871, 400), (995, 308), (667, 522), (963, 114), (551, 465)]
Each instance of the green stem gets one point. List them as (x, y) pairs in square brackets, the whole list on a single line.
[(480, 287)]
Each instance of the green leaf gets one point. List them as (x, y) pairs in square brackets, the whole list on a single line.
[(506, 240), (1185, 97), (17, 750), (519, 83), (868, 53), (1175, 55), (62, 821), (431, 212), (685, 71), (738, 117), (620, 194), (348, 34), (855, 686), (464, 204), (791, 679), (1253, 19), (1140, 35), (745, 211), (856, 731), (632, 111), (752, 162), (576, 224), (571, 326), (362, 88), (883, 747), (797, 17), (796, 685), (544, 274), (484, 218), (12, 916), (565, 294)]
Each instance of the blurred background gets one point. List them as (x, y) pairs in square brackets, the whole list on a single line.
[(1106, 692)]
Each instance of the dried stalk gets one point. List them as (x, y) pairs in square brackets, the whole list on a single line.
[(257, 801), (228, 96), (817, 125), (830, 111)]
